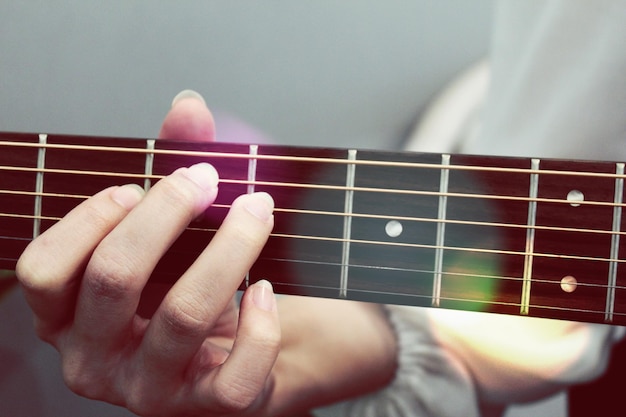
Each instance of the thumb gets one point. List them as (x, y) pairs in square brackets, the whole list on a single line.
[(189, 119)]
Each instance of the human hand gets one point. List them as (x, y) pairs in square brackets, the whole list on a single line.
[(196, 355)]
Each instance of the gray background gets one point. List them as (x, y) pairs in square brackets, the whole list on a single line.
[(312, 72), (350, 73)]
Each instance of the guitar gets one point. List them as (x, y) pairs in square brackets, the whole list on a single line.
[(519, 236)]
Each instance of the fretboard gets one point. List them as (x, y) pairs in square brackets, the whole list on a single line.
[(521, 236)]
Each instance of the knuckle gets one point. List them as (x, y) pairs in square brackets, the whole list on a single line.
[(34, 269), (184, 318), (76, 382), (97, 216), (139, 400), (28, 274), (110, 277), (244, 241), (266, 341), (233, 397), (264, 335), (45, 331), (270, 339), (31, 272), (80, 379)]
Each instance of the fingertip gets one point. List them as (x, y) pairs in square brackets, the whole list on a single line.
[(203, 174), (260, 205), (188, 94), (128, 196), (263, 295), (188, 119)]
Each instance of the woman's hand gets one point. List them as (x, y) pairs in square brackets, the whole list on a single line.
[(196, 355)]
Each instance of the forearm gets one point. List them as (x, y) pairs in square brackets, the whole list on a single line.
[(332, 350), (516, 359)]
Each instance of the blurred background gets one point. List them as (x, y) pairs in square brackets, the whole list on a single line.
[(319, 73), (355, 73)]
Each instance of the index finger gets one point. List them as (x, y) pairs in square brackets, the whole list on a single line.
[(50, 267)]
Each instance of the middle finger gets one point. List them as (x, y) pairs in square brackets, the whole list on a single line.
[(121, 265)]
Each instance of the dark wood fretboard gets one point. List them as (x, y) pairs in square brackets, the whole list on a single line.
[(508, 235)]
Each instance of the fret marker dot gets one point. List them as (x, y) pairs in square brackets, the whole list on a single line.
[(569, 284), (393, 228), (574, 197)]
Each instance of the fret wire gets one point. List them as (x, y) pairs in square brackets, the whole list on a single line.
[(149, 165), (441, 231), (41, 164), (615, 238), (325, 187), (347, 225), (173, 152), (252, 165), (530, 240), (384, 243)]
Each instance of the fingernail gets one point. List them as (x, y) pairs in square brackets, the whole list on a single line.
[(128, 196), (203, 174), (260, 205), (263, 295), (187, 94)]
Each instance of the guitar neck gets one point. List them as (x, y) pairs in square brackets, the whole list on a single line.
[(517, 236)]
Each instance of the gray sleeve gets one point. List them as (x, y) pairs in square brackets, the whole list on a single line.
[(428, 382)]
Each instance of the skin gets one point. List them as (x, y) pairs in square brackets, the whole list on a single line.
[(195, 353), (519, 359)]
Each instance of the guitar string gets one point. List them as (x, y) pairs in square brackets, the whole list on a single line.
[(323, 187), (401, 245), (340, 161), (448, 273), (372, 216), (397, 269), (341, 214), (428, 297)]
